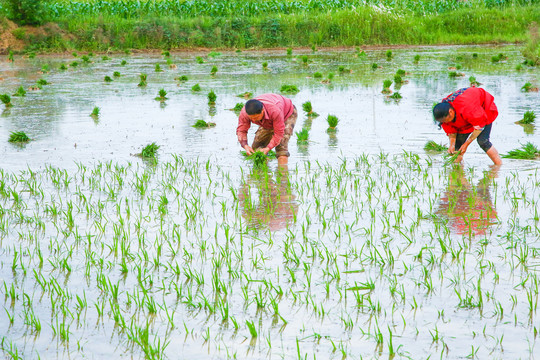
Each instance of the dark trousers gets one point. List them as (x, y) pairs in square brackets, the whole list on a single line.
[(483, 139)]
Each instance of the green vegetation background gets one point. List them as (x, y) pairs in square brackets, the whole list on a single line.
[(98, 25)]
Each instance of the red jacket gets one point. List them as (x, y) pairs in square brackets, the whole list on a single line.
[(474, 109), (276, 110)]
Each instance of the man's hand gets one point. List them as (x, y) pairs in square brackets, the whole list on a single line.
[(451, 149), (265, 150), (249, 150), (463, 149)]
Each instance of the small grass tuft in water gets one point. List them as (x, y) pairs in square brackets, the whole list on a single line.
[(386, 86), (182, 78), (317, 75), (398, 79), (289, 89), (302, 136), (214, 70), (107, 78), (435, 147), (305, 59), (85, 59), (95, 112), (246, 95), (289, 51), (18, 137), (123, 63), (527, 152), (116, 74), (6, 100), (265, 65), (62, 67), (199, 60), (396, 96), (332, 121), (42, 82), (162, 95), (150, 151), (105, 58), (238, 107), (388, 54), (416, 58), (308, 108), (212, 97), (528, 87), (196, 87), (74, 64), (143, 77), (374, 66), (528, 117), (157, 68), (166, 53), (201, 124), (20, 91)]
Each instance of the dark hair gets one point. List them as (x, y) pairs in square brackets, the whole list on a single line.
[(440, 111), (254, 107)]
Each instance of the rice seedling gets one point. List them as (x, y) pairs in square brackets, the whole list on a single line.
[(529, 151), (398, 80), (123, 63), (45, 68), (246, 95), (201, 124), (528, 87), (332, 121), (238, 107), (214, 70), (105, 58), (454, 74), (396, 96), (313, 48), (42, 82), (374, 66), (62, 67), (162, 95), (329, 79), (182, 78), (11, 58), (302, 136), (289, 51), (95, 112), (157, 68), (107, 79), (317, 75), (388, 54), (74, 64), (259, 159), (342, 69), (450, 159), (416, 58), (434, 147), (116, 74), (86, 59), (386, 86), (212, 97), (473, 81), (20, 92), (305, 59), (528, 117), (150, 151), (199, 60), (289, 89), (519, 67), (166, 53), (143, 80), (196, 87), (6, 100), (265, 65), (18, 137), (308, 109)]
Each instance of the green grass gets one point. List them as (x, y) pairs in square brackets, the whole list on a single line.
[(238, 107), (18, 137), (528, 152), (289, 89), (203, 23), (302, 136), (201, 124), (435, 147)]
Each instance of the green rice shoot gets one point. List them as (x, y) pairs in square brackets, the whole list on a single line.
[(529, 151)]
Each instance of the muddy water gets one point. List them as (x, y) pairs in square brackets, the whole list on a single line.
[(364, 239)]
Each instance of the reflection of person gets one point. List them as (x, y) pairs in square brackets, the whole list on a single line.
[(276, 204), (276, 116), (466, 115), (468, 209)]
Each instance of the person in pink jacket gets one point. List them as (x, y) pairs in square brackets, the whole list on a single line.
[(276, 116)]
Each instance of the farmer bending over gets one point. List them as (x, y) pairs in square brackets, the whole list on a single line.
[(466, 115), (276, 117)]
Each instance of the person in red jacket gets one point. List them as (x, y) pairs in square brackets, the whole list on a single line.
[(276, 116), (467, 115)]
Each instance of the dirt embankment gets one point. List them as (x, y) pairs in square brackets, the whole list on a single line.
[(8, 39)]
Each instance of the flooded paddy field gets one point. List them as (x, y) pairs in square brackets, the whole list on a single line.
[(366, 246)]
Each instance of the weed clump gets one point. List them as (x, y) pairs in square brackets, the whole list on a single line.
[(201, 124), (18, 137), (528, 117), (162, 95), (6, 100), (308, 108), (20, 91), (527, 152), (434, 147), (212, 97), (289, 89), (302, 136), (332, 121), (196, 87), (143, 77)]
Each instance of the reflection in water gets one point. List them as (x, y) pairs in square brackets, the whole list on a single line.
[(272, 202), (469, 209)]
